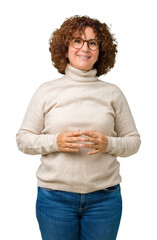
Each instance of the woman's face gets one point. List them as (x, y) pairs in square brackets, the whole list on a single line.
[(83, 58)]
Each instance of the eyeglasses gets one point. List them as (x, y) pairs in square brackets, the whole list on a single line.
[(79, 42)]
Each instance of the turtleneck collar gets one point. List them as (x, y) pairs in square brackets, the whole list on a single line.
[(77, 75)]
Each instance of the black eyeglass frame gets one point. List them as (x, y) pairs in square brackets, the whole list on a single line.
[(99, 43)]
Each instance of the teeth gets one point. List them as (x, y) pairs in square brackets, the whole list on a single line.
[(84, 57)]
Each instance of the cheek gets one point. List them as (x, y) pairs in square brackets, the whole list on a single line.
[(96, 55), (71, 52)]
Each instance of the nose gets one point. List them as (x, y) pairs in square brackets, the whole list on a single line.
[(85, 47)]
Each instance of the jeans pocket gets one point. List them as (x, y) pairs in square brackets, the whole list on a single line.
[(114, 188)]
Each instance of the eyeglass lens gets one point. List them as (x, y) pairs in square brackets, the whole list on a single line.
[(78, 43)]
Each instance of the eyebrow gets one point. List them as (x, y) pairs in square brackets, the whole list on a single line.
[(85, 39)]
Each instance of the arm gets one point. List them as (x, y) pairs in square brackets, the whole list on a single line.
[(127, 141), (29, 138)]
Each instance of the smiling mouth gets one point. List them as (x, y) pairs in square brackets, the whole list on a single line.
[(83, 57)]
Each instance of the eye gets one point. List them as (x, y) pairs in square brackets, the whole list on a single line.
[(93, 43), (77, 41)]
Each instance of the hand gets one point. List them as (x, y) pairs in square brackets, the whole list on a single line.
[(65, 141), (100, 141)]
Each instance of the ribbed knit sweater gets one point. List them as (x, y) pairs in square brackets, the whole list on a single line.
[(78, 100)]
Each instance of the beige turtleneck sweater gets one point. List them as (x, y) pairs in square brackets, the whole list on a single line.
[(78, 100)]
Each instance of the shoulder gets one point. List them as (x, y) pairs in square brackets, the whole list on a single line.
[(46, 88), (115, 94), (49, 85), (112, 88), (53, 83)]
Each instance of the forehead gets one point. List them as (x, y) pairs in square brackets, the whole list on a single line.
[(88, 33)]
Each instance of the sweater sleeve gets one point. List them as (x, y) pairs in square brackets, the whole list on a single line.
[(127, 141), (30, 138)]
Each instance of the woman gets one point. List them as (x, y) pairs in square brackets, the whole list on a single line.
[(80, 125)]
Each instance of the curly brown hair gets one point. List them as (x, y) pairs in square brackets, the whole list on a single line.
[(61, 38)]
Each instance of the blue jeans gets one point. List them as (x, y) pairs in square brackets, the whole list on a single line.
[(66, 215)]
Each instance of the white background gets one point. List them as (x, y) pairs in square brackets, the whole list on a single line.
[(25, 63)]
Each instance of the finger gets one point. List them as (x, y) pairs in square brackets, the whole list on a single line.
[(93, 152), (89, 146), (73, 139), (74, 133), (73, 145), (91, 133), (90, 140), (71, 149)]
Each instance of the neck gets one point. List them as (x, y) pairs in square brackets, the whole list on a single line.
[(78, 75)]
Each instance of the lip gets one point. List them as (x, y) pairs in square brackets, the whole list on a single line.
[(84, 56)]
